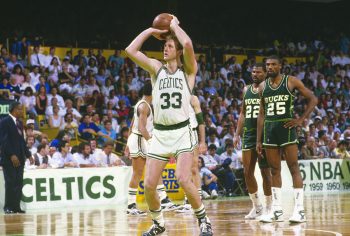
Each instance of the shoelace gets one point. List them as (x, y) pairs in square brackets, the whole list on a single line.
[(204, 227), (154, 228)]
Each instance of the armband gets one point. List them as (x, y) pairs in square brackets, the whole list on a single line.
[(199, 118)]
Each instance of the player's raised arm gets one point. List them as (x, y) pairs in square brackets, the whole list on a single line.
[(293, 84), (260, 122), (190, 62), (240, 122), (134, 53)]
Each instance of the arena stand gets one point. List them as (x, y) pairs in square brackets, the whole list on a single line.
[(105, 85)]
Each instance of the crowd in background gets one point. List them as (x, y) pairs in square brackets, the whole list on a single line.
[(92, 97)]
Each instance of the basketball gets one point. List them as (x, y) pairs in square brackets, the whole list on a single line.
[(162, 21)]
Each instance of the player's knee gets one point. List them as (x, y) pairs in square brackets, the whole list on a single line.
[(183, 178), (150, 185), (275, 171), (138, 174), (266, 177), (294, 167), (248, 175)]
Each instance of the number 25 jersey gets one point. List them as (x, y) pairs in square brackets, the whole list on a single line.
[(279, 102), (171, 97)]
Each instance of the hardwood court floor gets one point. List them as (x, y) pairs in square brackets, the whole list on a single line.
[(326, 215)]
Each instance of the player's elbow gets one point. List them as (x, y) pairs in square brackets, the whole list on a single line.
[(129, 51), (187, 44)]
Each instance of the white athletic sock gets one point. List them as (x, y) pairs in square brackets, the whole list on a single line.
[(299, 198), (200, 212), (255, 199), (132, 195), (276, 198), (268, 201), (157, 215), (161, 192)]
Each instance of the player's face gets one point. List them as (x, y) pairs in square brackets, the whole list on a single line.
[(258, 75), (169, 50), (273, 68)]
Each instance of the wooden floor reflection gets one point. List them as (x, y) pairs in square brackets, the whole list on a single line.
[(326, 215)]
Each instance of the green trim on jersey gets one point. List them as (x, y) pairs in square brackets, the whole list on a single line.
[(171, 127), (278, 102)]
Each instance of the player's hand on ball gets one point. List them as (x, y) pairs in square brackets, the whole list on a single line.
[(158, 34), (174, 20)]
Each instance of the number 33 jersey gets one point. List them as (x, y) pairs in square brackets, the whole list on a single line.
[(171, 97)]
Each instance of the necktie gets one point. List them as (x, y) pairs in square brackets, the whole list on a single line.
[(19, 127), (108, 160), (37, 56)]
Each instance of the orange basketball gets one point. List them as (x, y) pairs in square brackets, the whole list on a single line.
[(162, 21)]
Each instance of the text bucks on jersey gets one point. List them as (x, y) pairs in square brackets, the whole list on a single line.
[(278, 101), (252, 105), (171, 97)]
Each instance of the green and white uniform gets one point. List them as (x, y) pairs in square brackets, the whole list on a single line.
[(194, 126), (278, 109), (251, 101), (138, 145), (171, 102)]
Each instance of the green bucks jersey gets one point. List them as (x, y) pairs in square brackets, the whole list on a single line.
[(278, 101), (251, 103)]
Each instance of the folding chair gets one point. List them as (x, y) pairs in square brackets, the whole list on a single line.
[(239, 183)]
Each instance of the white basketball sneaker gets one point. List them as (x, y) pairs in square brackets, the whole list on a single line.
[(273, 216), (298, 216), (254, 213)]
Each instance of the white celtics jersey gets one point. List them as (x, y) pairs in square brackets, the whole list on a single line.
[(149, 125), (193, 119), (171, 97)]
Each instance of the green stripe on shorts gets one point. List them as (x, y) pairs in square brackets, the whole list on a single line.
[(157, 157)]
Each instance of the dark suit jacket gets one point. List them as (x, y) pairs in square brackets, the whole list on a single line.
[(37, 162), (11, 143)]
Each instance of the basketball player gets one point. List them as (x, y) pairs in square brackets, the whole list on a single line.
[(172, 88), (199, 147), (247, 121), (276, 118), (137, 145)]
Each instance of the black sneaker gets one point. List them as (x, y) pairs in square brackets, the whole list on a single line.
[(132, 210), (168, 205), (205, 227), (154, 230)]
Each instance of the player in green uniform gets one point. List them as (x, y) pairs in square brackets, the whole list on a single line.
[(247, 122), (276, 132)]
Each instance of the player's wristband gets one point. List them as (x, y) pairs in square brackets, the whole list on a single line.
[(199, 118)]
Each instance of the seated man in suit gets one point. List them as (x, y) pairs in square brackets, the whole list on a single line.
[(41, 159)]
